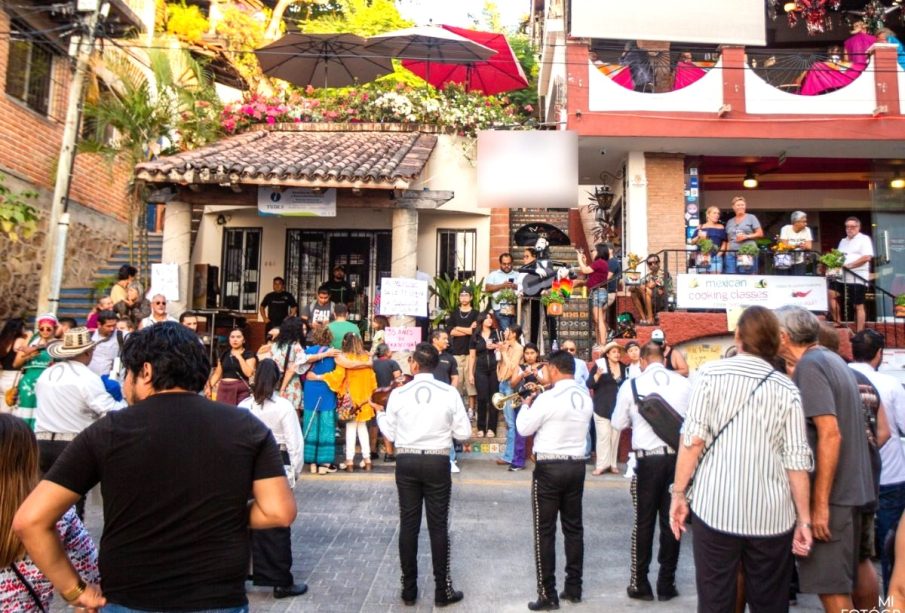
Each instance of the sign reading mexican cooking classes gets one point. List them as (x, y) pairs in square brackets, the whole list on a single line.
[(402, 338), (725, 291), (297, 202), (403, 296)]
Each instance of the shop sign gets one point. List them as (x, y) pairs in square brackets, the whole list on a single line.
[(699, 352), (726, 291), (297, 202)]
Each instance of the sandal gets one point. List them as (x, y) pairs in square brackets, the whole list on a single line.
[(490, 434), (598, 471), (350, 466), (479, 434), (368, 466), (615, 470), (313, 468)]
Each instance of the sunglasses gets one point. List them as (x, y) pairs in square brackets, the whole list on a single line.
[(158, 302), (45, 329), (653, 262), (570, 349)]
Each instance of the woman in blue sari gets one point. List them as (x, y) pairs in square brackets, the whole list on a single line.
[(319, 426)]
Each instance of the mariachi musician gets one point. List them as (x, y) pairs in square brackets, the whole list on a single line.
[(540, 273)]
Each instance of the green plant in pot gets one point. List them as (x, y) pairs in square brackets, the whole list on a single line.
[(705, 250), (507, 299), (833, 261), (746, 254), (900, 305), (553, 301)]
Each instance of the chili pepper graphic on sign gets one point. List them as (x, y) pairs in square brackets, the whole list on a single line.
[(801, 294)]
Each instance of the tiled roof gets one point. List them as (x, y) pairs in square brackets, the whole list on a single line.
[(299, 158)]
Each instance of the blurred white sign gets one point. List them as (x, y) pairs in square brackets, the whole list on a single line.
[(297, 202), (402, 296), (165, 280), (527, 169)]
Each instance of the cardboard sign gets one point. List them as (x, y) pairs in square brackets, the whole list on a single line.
[(402, 296), (403, 338)]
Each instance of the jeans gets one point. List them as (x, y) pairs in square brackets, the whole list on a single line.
[(889, 511), (509, 416), (116, 608), (505, 321), (716, 264)]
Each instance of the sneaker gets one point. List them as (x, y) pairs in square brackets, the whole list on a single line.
[(514, 469), (389, 457), (454, 468)]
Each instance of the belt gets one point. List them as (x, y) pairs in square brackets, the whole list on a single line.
[(643, 453), (55, 436), (413, 451), (546, 457)]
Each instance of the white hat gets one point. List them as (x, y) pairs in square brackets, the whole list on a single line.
[(75, 342), (657, 336)]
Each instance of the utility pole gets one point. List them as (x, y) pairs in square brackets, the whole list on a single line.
[(58, 226)]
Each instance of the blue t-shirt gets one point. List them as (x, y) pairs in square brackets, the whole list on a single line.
[(615, 267)]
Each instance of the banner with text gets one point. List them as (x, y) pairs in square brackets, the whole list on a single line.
[(726, 291), (402, 338), (297, 202), (403, 296)]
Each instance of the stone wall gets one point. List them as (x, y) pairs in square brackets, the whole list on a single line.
[(92, 239)]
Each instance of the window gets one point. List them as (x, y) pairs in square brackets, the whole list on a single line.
[(29, 68), (241, 268), (456, 253)]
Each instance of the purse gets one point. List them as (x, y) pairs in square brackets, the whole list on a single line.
[(346, 409), (12, 394)]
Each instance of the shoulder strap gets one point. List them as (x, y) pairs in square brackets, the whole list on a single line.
[(635, 391), (29, 587)]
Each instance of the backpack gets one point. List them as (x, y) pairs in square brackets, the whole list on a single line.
[(664, 420)]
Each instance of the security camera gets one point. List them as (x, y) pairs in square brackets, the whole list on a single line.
[(603, 152)]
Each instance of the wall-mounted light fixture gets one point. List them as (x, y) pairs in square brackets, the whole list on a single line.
[(750, 181), (790, 6), (897, 181)]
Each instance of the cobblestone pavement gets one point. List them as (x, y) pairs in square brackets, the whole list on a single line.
[(344, 545)]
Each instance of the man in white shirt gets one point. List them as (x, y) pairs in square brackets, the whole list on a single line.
[(581, 367), (559, 420), (656, 466), (497, 281), (421, 419), (70, 398), (859, 251), (867, 352), (158, 312), (106, 345)]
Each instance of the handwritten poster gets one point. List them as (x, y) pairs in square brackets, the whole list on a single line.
[(165, 280), (403, 296), (402, 338)]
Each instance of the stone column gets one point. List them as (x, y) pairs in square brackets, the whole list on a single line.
[(405, 260), (177, 249), (636, 205)]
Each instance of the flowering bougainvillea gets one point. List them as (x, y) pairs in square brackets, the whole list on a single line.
[(451, 107)]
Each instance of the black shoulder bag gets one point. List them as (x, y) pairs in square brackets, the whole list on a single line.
[(723, 429)]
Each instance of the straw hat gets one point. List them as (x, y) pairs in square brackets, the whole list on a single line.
[(611, 345), (75, 342)]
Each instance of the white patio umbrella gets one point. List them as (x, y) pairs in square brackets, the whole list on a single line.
[(322, 60), (428, 44)]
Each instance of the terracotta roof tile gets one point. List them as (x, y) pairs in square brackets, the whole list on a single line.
[(293, 157)]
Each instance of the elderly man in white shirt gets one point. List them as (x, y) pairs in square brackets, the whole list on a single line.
[(859, 251), (70, 398), (559, 420), (867, 352), (656, 466), (421, 419)]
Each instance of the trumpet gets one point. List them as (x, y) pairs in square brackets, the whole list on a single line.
[(499, 399)]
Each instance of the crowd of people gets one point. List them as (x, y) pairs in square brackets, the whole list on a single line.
[(789, 461)]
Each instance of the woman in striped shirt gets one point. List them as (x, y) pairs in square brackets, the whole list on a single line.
[(745, 432)]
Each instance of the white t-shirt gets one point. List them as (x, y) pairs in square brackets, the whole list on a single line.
[(795, 239), (854, 248)]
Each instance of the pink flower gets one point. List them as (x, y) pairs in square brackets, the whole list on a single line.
[(309, 90), (271, 120), (528, 108)]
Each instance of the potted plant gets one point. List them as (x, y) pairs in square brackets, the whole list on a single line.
[(782, 257), (507, 299), (631, 274), (833, 261), (900, 305), (746, 254), (553, 301), (705, 249)]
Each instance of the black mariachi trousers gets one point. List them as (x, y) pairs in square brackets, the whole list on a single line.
[(651, 499), (557, 488), (271, 557), (423, 479)]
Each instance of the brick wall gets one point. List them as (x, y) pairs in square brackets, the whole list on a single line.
[(32, 144), (500, 238), (665, 201)]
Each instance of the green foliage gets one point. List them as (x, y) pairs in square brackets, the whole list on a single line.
[(101, 287), (551, 297), (525, 99), (240, 30), (748, 249), (186, 22), (447, 290), (900, 300), (832, 259), (17, 216), (363, 17), (508, 296), (705, 245)]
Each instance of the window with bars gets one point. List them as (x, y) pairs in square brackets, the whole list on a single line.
[(29, 68), (457, 253), (241, 268)]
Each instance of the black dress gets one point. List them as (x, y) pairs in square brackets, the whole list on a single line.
[(605, 389), (486, 383)]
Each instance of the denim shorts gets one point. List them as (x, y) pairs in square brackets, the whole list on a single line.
[(599, 297)]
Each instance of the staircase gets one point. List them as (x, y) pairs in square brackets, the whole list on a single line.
[(78, 301)]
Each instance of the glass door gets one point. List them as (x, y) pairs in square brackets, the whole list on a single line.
[(241, 268), (888, 232)]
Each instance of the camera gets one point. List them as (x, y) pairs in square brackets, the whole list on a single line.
[(603, 152)]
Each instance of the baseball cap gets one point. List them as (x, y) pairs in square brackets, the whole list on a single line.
[(657, 336), (465, 290)]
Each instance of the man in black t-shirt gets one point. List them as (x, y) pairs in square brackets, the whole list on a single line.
[(447, 370), (176, 471), (277, 305), (341, 291), (461, 324)]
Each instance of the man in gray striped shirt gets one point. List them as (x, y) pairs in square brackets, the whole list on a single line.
[(842, 482)]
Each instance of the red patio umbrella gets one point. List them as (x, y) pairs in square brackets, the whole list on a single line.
[(500, 73)]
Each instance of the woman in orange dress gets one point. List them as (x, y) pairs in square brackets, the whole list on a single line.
[(360, 383)]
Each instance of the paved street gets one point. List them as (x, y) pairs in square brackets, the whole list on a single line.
[(345, 546)]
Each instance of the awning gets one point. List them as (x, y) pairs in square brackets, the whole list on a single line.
[(282, 156)]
